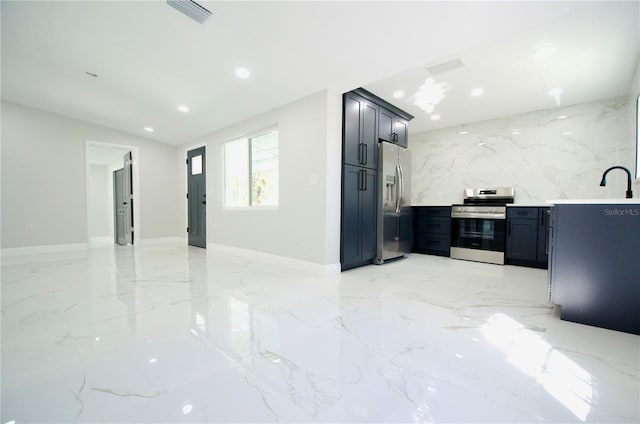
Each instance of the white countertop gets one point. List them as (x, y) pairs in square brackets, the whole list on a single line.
[(594, 202)]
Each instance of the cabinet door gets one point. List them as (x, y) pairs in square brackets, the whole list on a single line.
[(368, 214), (359, 216), (522, 238), (385, 125), (400, 131), (360, 133), (350, 234), (369, 141), (353, 109), (543, 235), (392, 128)]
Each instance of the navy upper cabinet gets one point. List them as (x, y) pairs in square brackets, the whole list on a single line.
[(392, 127), (360, 123)]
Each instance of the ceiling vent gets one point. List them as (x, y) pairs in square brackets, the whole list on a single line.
[(191, 9), (445, 66)]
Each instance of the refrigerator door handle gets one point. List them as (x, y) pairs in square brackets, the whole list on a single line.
[(398, 187), (401, 195)]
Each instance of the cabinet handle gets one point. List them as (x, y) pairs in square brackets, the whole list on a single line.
[(364, 180), (366, 154), (360, 153)]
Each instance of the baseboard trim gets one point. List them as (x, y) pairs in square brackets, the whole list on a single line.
[(313, 268), (39, 250), (101, 241), (161, 240)]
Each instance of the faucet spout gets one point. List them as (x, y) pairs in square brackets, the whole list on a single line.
[(603, 182)]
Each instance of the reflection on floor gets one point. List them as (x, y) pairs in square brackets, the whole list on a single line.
[(171, 334)]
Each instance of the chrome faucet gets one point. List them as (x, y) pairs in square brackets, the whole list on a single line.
[(603, 182)]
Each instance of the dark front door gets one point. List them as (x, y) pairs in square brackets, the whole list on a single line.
[(197, 197)]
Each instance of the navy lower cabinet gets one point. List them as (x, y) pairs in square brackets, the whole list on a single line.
[(527, 236), (359, 217), (432, 230), (594, 271)]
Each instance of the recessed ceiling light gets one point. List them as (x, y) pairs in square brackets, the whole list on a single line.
[(515, 132), (243, 73), (477, 92), (398, 94), (435, 117), (566, 133), (562, 116), (148, 129), (463, 132), (545, 50), (183, 108)]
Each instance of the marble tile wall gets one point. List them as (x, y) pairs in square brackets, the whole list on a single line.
[(548, 154)]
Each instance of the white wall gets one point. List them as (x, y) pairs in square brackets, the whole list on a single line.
[(45, 205), (306, 224), (551, 158), (634, 91), (98, 201)]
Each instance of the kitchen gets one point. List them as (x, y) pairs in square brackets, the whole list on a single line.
[(514, 167), (238, 333)]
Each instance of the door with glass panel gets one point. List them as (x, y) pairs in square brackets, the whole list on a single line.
[(196, 198)]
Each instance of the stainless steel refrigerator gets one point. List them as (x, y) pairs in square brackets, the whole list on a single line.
[(394, 202)]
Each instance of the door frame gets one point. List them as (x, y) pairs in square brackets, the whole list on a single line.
[(186, 188), (137, 224)]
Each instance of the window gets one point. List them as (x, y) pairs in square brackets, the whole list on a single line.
[(251, 171), (196, 165)]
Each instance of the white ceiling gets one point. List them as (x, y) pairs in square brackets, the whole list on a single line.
[(149, 58), (597, 51)]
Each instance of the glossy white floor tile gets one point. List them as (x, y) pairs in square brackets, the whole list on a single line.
[(171, 334)]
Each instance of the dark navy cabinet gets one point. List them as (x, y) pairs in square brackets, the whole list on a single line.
[(392, 127), (527, 229), (432, 230), (594, 271), (358, 216), (360, 138), (362, 130)]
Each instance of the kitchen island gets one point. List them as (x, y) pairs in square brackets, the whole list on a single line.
[(594, 266)]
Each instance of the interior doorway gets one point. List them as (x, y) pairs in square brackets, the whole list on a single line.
[(102, 160), (123, 202)]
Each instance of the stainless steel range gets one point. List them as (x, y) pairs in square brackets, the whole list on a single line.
[(478, 227)]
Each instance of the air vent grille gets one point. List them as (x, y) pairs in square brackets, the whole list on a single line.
[(191, 9), (445, 66)]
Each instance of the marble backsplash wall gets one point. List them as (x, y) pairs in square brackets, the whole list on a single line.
[(549, 154)]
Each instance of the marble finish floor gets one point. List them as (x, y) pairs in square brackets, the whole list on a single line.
[(168, 333)]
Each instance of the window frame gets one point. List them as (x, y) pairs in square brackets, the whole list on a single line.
[(248, 138)]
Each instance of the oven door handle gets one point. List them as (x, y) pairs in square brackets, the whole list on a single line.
[(482, 215)]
